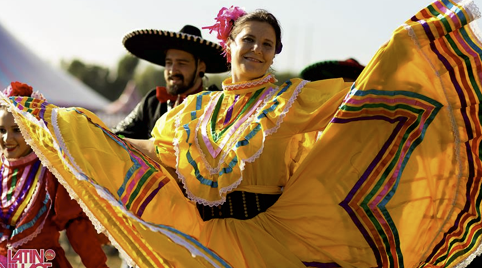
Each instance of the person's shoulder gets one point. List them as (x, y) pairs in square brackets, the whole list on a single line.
[(301, 87), (152, 92), (203, 95), (292, 82), (151, 96), (323, 82)]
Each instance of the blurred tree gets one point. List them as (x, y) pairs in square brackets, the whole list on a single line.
[(126, 69), (96, 77), (149, 78), (111, 86), (100, 79), (283, 76), (215, 79)]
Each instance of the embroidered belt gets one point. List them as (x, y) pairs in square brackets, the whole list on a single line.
[(239, 205)]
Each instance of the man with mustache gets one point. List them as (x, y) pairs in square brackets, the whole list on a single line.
[(186, 57)]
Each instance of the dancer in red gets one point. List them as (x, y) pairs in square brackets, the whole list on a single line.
[(34, 206)]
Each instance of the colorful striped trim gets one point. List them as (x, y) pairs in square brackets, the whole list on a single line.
[(191, 244), (459, 48), (33, 180), (139, 187), (410, 114), (18, 194)]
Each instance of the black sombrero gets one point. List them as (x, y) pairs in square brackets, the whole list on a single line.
[(151, 45), (332, 69)]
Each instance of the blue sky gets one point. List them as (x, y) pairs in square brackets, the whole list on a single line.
[(313, 30)]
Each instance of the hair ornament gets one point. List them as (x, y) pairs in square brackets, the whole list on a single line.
[(224, 24), (23, 90)]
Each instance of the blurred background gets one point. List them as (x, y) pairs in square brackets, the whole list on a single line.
[(72, 50)]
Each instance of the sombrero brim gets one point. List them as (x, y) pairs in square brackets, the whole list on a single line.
[(331, 69), (151, 45)]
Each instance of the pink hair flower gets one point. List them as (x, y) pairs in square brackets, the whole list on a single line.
[(224, 23)]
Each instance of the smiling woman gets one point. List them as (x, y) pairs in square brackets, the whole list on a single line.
[(238, 178), (252, 44), (252, 51), (12, 143), (34, 208)]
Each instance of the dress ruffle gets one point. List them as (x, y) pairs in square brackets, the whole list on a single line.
[(207, 177)]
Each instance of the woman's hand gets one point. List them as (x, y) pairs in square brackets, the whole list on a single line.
[(145, 146)]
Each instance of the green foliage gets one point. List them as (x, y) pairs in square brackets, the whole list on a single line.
[(101, 79), (215, 79), (96, 77), (127, 67), (149, 78), (283, 77)]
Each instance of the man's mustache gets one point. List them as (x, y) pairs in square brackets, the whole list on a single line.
[(178, 76)]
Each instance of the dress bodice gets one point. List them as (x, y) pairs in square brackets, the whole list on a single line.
[(245, 137), (25, 202)]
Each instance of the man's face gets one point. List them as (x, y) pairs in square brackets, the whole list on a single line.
[(180, 71)]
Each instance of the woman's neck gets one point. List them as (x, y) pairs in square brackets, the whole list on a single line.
[(238, 79)]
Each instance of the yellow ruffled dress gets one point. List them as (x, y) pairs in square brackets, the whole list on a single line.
[(394, 180)]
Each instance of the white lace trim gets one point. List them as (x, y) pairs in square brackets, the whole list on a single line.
[(5, 101), (157, 228), (474, 12), (211, 170), (98, 226), (242, 162), (287, 108), (41, 181), (33, 235), (454, 129), (181, 177), (278, 123), (464, 263), (35, 194), (474, 26), (471, 8), (193, 197), (249, 84), (75, 168), (242, 128)]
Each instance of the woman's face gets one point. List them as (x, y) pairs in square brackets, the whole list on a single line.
[(252, 51), (12, 143)]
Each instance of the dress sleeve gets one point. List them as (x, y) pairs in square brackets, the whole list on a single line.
[(135, 124), (163, 137), (82, 235), (85, 241), (315, 105)]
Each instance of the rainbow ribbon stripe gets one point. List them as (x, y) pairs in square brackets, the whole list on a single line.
[(411, 114), (439, 27)]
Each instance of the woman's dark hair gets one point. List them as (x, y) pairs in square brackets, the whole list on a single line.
[(259, 15)]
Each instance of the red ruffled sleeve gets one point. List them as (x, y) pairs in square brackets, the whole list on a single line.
[(82, 235)]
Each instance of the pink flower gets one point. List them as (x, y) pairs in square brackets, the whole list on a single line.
[(224, 24)]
